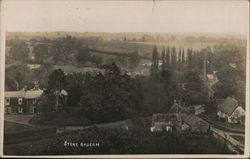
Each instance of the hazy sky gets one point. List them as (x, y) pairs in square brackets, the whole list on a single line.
[(140, 16)]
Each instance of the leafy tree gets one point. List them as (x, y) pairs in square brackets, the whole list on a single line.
[(56, 81), (19, 50), (74, 86), (134, 59), (193, 81), (227, 61), (41, 52), (109, 97), (18, 76), (82, 55)]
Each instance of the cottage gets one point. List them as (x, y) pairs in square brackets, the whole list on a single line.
[(196, 124), (161, 122), (231, 111), (22, 102)]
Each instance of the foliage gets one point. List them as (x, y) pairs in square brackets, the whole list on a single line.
[(57, 81), (109, 97), (228, 61), (41, 52), (18, 76), (19, 50), (155, 62)]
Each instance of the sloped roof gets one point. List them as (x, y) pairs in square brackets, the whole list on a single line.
[(228, 106), (13, 94), (23, 94), (192, 120), (33, 94), (176, 108)]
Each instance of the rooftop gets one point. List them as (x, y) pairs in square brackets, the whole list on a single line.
[(228, 106), (31, 94)]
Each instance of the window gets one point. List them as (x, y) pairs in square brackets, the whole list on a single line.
[(20, 101), (34, 101), (20, 110), (7, 101)]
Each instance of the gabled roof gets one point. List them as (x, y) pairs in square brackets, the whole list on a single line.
[(31, 94), (228, 106), (192, 120), (13, 94)]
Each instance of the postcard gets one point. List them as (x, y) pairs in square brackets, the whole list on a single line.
[(124, 79)]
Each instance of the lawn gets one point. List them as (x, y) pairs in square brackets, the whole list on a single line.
[(11, 127)]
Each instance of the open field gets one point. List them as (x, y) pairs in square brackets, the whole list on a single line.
[(11, 127)]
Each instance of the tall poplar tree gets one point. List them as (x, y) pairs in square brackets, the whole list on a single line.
[(163, 56), (155, 62)]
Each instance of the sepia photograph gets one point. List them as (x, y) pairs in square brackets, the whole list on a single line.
[(129, 79)]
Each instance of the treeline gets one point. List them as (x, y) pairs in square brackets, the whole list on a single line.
[(113, 95), (65, 50), (61, 51)]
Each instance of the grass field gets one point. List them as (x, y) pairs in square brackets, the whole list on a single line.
[(11, 127)]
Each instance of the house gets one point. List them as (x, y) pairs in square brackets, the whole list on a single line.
[(170, 120), (197, 109), (230, 110), (161, 122), (196, 124), (21, 102)]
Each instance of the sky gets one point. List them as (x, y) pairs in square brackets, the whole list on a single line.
[(127, 16)]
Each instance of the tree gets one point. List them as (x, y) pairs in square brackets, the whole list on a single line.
[(155, 62), (173, 59), (109, 97), (82, 55), (41, 52), (163, 57), (179, 60), (168, 57), (19, 50), (57, 81), (189, 58), (192, 80), (18, 76), (183, 57), (227, 61), (134, 59), (74, 87)]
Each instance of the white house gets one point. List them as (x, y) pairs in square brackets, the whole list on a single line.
[(231, 111)]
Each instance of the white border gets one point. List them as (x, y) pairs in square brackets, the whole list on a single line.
[(2, 70)]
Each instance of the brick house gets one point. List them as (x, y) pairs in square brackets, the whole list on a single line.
[(21, 102)]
